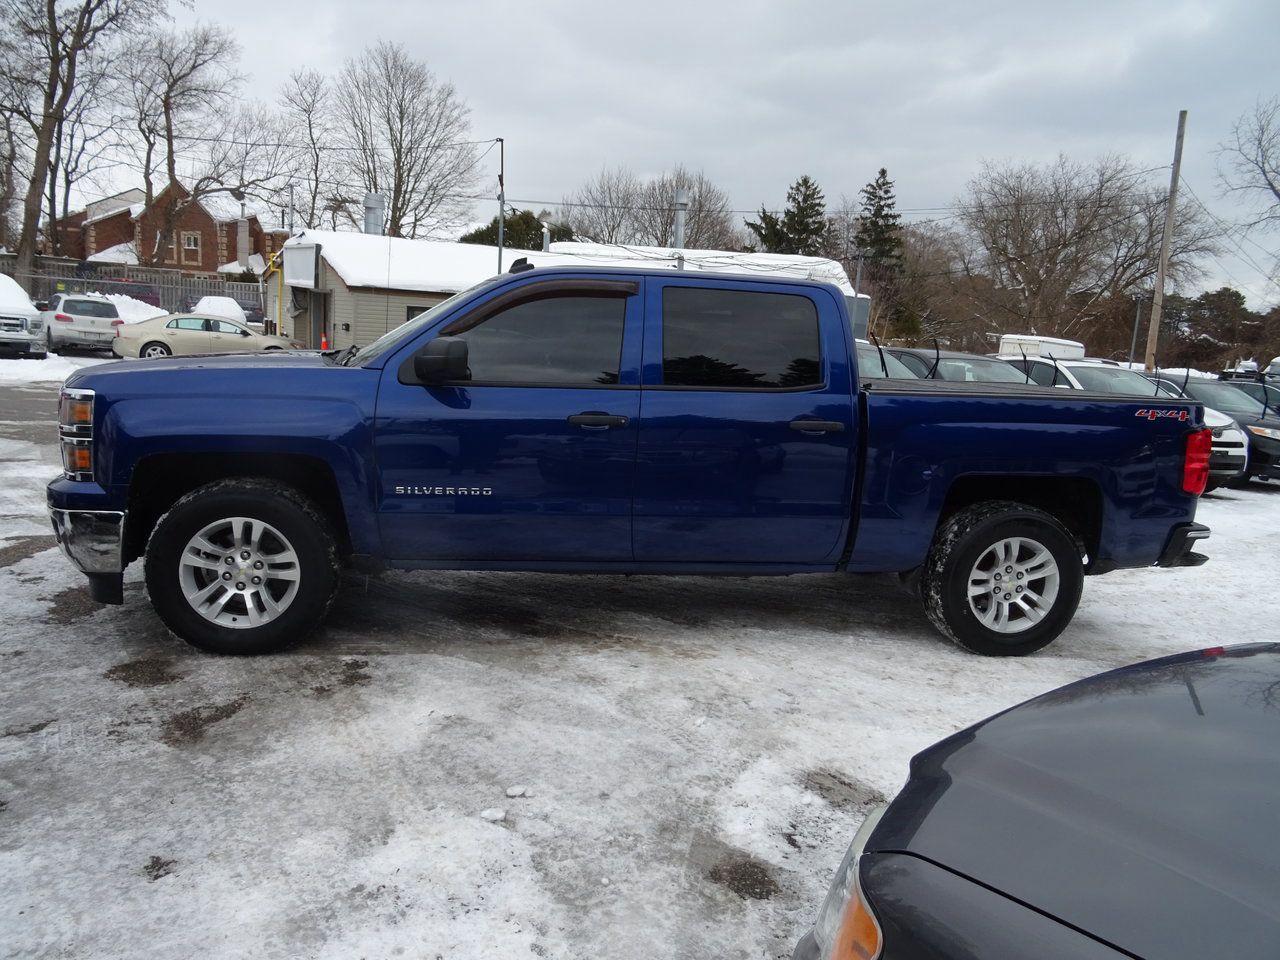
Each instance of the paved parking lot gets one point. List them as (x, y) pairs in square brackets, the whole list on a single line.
[(695, 753)]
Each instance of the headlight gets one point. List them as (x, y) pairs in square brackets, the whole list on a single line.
[(1271, 433), (846, 929), (75, 429), (35, 326)]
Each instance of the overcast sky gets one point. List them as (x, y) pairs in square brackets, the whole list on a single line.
[(757, 93)]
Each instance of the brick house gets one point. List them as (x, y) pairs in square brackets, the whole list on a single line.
[(123, 229)]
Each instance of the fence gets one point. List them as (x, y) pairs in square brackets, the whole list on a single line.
[(170, 290)]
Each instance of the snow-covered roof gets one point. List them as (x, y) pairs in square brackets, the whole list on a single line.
[(256, 264), (14, 299), (440, 266), (110, 206), (121, 253), (223, 207), (715, 261), (394, 263), (134, 210)]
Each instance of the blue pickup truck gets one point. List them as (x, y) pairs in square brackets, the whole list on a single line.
[(613, 421)]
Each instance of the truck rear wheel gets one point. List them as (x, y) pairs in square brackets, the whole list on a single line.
[(1002, 579), (242, 567)]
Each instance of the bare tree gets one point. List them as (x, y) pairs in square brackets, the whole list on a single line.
[(1250, 161), (307, 104), (1053, 239), (708, 223), (11, 163), (604, 208), (191, 137), (45, 45), (616, 206), (407, 135), (82, 143)]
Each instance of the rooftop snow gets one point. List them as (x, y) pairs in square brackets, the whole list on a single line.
[(13, 297), (134, 210), (256, 264), (439, 266), (121, 253)]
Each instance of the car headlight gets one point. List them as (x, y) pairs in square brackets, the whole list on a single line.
[(1271, 433), (846, 929), (35, 326)]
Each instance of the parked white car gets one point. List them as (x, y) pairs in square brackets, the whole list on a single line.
[(190, 334), (80, 320), (21, 325)]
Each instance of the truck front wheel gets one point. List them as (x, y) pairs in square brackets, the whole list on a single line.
[(242, 567), (1002, 579)]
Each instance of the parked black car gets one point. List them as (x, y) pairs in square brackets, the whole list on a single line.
[(1263, 431), (953, 365), (1133, 814), (1260, 391)]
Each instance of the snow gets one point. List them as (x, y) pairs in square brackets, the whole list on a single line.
[(134, 210), (14, 299), (220, 307), (125, 253), (53, 368), (440, 266), (669, 726), (715, 261), (132, 310), (256, 264)]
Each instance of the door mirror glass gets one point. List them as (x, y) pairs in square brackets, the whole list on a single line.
[(443, 360)]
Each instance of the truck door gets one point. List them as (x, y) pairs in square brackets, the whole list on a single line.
[(533, 457), (747, 430)]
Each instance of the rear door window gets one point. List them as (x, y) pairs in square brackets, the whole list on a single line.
[(739, 339), (187, 323)]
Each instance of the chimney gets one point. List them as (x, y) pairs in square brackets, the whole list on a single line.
[(375, 213), (242, 239)]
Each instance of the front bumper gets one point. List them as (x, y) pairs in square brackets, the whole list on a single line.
[(93, 540), (1177, 552), (18, 343)]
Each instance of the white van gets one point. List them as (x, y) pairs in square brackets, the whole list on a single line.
[(1024, 344)]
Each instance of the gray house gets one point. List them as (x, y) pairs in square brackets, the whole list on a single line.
[(336, 289)]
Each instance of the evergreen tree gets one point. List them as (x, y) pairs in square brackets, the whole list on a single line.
[(879, 234), (522, 231), (802, 228)]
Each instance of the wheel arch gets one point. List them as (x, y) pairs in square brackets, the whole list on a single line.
[(161, 479), (1075, 502)]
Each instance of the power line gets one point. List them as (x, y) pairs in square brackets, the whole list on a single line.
[(1227, 233)]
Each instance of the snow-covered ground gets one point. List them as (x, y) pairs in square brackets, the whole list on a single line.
[(52, 369), (696, 753)]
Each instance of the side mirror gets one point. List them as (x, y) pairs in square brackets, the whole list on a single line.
[(443, 360)]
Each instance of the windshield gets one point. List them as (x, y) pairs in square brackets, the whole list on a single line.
[(869, 365), (393, 337), (1113, 380), (978, 369), (1224, 397)]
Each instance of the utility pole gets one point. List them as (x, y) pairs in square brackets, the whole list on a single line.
[(1137, 317), (502, 198), (682, 207), (1157, 295)]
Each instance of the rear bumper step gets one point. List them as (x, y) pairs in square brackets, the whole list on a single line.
[(1177, 552)]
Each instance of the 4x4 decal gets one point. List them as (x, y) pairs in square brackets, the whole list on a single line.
[(1153, 414)]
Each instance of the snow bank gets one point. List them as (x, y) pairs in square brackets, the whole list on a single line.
[(132, 310), (52, 369)]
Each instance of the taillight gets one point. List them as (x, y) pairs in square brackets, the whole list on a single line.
[(63, 318), (1195, 467)]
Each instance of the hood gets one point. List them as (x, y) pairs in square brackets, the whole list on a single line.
[(1141, 805), (239, 375), (1215, 419)]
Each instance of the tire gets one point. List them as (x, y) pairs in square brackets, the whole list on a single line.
[(964, 552), (302, 588), (157, 349)]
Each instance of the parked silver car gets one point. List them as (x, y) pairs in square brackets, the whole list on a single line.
[(189, 334)]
